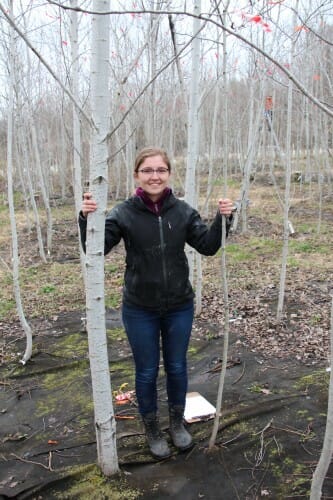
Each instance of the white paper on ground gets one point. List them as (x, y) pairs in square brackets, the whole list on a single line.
[(198, 408)]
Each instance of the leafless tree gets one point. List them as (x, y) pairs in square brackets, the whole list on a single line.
[(15, 252), (105, 424)]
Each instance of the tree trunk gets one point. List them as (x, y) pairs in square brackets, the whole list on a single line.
[(77, 171), (285, 246), (224, 278), (24, 155), (37, 160), (105, 423), (193, 126), (15, 253), (327, 450)]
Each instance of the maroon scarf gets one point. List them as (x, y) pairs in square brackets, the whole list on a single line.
[(154, 206)]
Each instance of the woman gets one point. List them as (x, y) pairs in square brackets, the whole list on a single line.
[(157, 294)]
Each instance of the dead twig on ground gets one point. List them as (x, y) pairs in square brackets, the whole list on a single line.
[(47, 467), (260, 455), (241, 375)]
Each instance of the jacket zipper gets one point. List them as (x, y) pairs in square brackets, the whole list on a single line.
[(162, 251)]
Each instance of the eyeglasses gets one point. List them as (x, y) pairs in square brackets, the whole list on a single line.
[(151, 171)]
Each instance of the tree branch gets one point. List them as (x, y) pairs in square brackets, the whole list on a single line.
[(284, 70), (48, 67)]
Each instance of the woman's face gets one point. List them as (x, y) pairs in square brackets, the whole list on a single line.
[(153, 176)]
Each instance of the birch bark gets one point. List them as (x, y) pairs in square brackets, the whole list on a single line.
[(224, 278), (26, 167), (285, 247), (15, 253), (37, 159), (77, 171), (105, 424), (327, 450), (193, 126)]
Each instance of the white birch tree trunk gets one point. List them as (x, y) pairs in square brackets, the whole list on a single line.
[(24, 155), (223, 371), (285, 247), (224, 278), (153, 29), (327, 450), (248, 168), (77, 171), (212, 147), (193, 126), (42, 184), (15, 253), (105, 423), (24, 188), (37, 161), (62, 163)]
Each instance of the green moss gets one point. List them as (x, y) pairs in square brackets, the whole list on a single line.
[(276, 470), (292, 477), (124, 370), (74, 345), (302, 413), (318, 379), (256, 387), (89, 483), (288, 462), (72, 388), (116, 334)]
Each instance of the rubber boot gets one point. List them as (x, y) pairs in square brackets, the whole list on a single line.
[(157, 444), (179, 435)]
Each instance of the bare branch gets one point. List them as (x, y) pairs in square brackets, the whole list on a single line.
[(231, 31), (48, 67)]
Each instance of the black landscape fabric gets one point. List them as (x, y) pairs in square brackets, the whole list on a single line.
[(269, 440)]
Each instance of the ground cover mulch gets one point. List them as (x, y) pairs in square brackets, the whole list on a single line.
[(269, 440)]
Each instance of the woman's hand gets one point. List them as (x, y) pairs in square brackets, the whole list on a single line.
[(226, 206), (89, 205)]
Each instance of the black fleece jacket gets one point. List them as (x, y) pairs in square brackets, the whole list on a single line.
[(157, 272)]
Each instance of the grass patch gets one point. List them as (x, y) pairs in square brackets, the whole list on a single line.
[(292, 262), (250, 249), (111, 267), (59, 285), (237, 253), (113, 300), (301, 246)]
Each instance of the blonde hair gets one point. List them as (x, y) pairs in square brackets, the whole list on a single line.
[(147, 153)]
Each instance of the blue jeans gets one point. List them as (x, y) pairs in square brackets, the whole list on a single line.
[(144, 330)]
